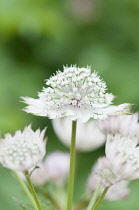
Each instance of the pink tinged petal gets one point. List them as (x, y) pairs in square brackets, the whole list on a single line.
[(57, 167), (124, 156), (122, 109), (125, 125), (105, 171), (116, 144), (118, 191)]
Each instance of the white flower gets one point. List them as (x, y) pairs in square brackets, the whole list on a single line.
[(118, 191), (24, 150), (121, 162), (77, 93), (55, 168), (126, 125), (88, 137)]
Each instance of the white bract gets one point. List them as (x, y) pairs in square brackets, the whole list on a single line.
[(24, 150), (88, 136), (121, 161), (77, 93), (125, 125), (118, 191), (55, 168)]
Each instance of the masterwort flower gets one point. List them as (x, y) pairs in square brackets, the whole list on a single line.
[(54, 168), (121, 161), (76, 93), (89, 136), (118, 191), (125, 125), (24, 150)]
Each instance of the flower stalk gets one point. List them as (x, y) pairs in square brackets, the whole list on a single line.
[(33, 191), (94, 198), (26, 190), (72, 166), (101, 198)]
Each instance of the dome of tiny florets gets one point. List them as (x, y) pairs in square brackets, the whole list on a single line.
[(77, 93), (77, 87)]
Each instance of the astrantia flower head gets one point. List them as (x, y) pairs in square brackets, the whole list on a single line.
[(75, 92), (24, 150), (118, 191), (89, 136), (123, 153), (121, 161)]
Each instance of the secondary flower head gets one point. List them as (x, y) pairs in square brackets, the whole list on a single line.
[(55, 168), (24, 150), (88, 137), (77, 93), (121, 161), (118, 191), (126, 125)]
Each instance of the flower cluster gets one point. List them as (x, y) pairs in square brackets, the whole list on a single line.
[(77, 93), (24, 150)]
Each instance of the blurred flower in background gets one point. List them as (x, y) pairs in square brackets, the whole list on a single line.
[(54, 168), (89, 136), (126, 125), (83, 10)]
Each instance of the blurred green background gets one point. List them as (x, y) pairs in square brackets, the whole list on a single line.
[(38, 37)]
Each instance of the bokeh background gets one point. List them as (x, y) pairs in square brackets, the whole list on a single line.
[(38, 37)]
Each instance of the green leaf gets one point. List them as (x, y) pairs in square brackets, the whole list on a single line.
[(24, 206), (47, 206)]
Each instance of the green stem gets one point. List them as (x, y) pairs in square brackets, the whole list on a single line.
[(94, 198), (32, 190), (101, 198), (72, 166), (25, 189)]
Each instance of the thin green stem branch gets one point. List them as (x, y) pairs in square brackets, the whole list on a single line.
[(25, 190), (72, 166), (101, 198), (32, 190), (94, 198)]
